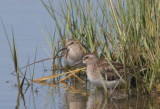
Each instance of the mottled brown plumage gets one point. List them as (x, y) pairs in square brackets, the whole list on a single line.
[(111, 73), (98, 69)]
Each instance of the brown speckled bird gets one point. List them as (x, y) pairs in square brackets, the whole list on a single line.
[(100, 71), (74, 52)]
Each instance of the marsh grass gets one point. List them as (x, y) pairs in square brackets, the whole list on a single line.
[(126, 31), (21, 77), (13, 54)]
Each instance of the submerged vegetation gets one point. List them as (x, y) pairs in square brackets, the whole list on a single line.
[(126, 31)]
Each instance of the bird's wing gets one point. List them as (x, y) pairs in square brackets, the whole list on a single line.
[(108, 72)]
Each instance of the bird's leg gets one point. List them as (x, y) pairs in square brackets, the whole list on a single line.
[(110, 92)]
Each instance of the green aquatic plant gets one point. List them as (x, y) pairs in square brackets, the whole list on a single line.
[(126, 31), (14, 56)]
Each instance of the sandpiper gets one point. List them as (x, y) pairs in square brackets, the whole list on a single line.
[(74, 52), (101, 73)]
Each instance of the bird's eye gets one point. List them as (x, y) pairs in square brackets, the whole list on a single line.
[(85, 58), (71, 43)]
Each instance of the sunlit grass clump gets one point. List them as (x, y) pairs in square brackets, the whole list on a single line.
[(127, 31)]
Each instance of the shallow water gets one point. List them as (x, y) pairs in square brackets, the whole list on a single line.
[(25, 18)]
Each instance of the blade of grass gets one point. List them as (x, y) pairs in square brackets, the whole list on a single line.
[(53, 76)]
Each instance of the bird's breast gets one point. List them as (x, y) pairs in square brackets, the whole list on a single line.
[(92, 74), (72, 57)]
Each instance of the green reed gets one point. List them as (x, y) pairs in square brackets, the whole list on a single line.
[(120, 30), (14, 56), (13, 53)]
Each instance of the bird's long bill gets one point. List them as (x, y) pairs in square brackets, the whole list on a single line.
[(62, 49), (79, 62)]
